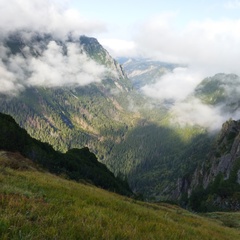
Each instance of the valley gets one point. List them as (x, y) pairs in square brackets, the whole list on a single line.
[(119, 120), (140, 139)]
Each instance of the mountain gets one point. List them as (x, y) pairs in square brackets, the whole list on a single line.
[(70, 114), (77, 164), (38, 205), (145, 71), (72, 94), (220, 90)]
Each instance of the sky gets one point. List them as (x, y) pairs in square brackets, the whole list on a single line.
[(201, 35), (168, 30)]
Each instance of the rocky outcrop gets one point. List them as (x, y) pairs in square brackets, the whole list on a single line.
[(219, 175), (95, 50), (225, 153)]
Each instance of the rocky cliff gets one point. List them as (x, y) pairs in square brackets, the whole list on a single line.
[(215, 185)]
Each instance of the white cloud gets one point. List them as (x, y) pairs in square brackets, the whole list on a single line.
[(45, 16), (8, 81), (178, 88), (194, 112), (176, 85), (119, 47), (206, 47), (211, 46), (233, 4), (54, 68)]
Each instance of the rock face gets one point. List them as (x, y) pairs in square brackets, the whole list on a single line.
[(226, 153), (217, 180), (95, 50)]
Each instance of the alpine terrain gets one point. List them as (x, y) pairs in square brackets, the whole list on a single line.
[(72, 94)]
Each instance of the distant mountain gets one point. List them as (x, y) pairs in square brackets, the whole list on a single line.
[(220, 90), (145, 71), (76, 164)]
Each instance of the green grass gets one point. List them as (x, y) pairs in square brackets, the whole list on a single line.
[(229, 219), (37, 205)]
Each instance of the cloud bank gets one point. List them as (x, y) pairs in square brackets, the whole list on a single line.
[(206, 48), (48, 63), (186, 108), (175, 85), (56, 66)]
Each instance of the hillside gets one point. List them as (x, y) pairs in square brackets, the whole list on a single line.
[(37, 205), (76, 164)]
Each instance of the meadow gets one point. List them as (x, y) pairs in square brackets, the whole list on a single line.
[(35, 204)]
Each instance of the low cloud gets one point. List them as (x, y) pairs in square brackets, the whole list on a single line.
[(174, 86), (178, 89), (57, 66), (119, 47), (206, 47), (194, 112), (45, 63)]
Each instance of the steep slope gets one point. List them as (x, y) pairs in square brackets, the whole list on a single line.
[(37, 205), (215, 185), (77, 164)]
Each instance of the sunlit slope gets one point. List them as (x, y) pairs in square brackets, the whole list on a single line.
[(37, 205)]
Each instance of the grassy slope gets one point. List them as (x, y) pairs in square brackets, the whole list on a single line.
[(37, 205)]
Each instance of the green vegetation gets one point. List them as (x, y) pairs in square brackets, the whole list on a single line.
[(77, 164), (220, 172), (220, 89), (142, 145), (220, 195), (132, 135), (37, 205), (228, 219), (158, 156)]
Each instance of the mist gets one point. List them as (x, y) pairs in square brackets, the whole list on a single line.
[(56, 66), (205, 47), (179, 88)]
